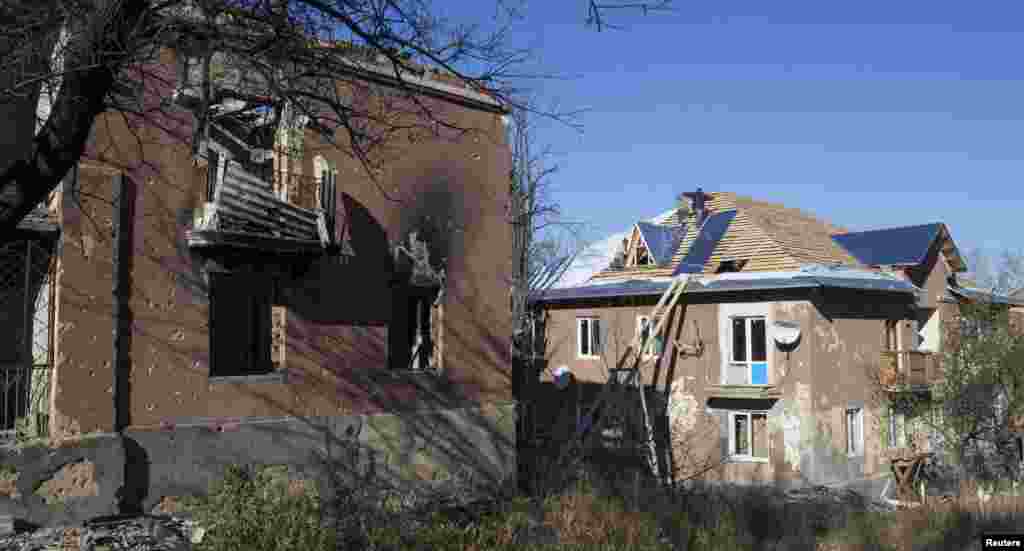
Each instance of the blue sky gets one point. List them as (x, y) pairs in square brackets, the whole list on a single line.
[(867, 114)]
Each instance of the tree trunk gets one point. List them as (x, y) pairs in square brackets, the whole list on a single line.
[(99, 48)]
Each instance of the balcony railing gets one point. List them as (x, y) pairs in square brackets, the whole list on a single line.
[(915, 368)]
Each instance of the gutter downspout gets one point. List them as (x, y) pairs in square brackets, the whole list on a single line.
[(122, 317)]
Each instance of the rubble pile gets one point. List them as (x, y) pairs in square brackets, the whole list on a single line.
[(139, 533)]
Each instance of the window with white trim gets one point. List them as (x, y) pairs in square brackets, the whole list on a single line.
[(588, 338), (748, 358), (748, 435), (644, 327), (855, 431)]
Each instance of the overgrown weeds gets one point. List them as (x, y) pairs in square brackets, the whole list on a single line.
[(261, 509), (265, 510)]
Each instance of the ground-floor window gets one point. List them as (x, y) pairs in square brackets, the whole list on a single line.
[(748, 435), (855, 431)]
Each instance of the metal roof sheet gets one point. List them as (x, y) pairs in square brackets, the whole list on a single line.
[(711, 232), (907, 245), (662, 241)]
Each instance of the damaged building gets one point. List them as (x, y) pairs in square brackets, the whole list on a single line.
[(775, 365), (233, 286)]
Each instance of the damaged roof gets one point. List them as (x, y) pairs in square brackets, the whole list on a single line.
[(765, 235)]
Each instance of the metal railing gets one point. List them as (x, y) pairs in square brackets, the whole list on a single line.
[(26, 320)]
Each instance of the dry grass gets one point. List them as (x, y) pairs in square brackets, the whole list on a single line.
[(622, 516)]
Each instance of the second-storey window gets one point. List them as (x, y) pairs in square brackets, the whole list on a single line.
[(588, 337), (213, 173), (749, 354)]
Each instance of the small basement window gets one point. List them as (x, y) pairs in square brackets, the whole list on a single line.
[(748, 436), (588, 338), (240, 324), (854, 431)]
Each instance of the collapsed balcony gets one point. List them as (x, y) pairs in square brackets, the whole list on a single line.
[(243, 212)]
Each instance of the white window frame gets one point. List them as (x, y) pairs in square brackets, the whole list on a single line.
[(590, 334), (747, 457), (854, 439), (648, 351), (750, 348)]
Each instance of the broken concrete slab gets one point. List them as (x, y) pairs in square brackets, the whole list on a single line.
[(62, 484)]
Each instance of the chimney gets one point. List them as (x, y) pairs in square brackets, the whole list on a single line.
[(698, 205)]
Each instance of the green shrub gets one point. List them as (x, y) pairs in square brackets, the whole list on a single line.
[(261, 510)]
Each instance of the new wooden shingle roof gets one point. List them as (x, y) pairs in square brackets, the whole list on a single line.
[(768, 236)]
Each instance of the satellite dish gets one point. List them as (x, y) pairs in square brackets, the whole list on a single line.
[(786, 333), (562, 377)]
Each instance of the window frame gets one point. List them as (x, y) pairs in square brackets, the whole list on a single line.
[(590, 338), (854, 441), (748, 457), (749, 348)]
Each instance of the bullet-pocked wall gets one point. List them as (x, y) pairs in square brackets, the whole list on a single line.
[(828, 372), (453, 187)]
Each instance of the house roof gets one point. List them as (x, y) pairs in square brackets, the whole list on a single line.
[(768, 236), (901, 246), (807, 277)]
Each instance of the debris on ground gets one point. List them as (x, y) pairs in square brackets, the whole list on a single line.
[(115, 533)]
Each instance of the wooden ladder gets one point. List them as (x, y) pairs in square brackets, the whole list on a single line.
[(615, 392)]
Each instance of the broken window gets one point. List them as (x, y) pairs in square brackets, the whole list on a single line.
[(748, 436), (414, 330), (588, 337), (855, 431), (748, 359), (240, 324)]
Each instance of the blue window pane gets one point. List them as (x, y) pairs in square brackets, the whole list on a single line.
[(759, 373)]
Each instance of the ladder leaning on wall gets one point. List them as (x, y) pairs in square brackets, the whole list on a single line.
[(613, 401)]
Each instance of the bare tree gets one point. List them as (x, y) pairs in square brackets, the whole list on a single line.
[(83, 58)]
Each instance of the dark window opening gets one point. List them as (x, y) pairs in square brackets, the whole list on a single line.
[(329, 198), (240, 324), (212, 171), (412, 332)]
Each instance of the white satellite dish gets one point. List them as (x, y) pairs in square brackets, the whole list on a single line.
[(786, 333), (562, 376)]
